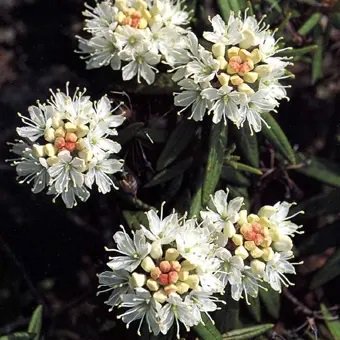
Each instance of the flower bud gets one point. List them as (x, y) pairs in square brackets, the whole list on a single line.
[(155, 273), (244, 88), (256, 55), (236, 80), (175, 265), (249, 245), (56, 121), (187, 265), (223, 78), (268, 254), (230, 69), (233, 52), (143, 23), (38, 150), (171, 254), (49, 135), (183, 275), (250, 77), (71, 137), (148, 264), (137, 280), (267, 211), (263, 70), (163, 279), (59, 132), (52, 160), (173, 277), (256, 253), (193, 281), (237, 239), (170, 289), (182, 287), (80, 144), (50, 150), (70, 127), (257, 267), (152, 285), (242, 252), (249, 39), (86, 155), (253, 218), (244, 54), (165, 266), (160, 296), (283, 244), (229, 229), (156, 250), (242, 217), (223, 63), (218, 50)]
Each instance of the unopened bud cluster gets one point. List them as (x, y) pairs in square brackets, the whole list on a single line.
[(137, 33), (66, 146), (238, 78)]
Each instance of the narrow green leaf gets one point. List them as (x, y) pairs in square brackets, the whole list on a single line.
[(328, 272), (254, 308), (248, 332), (245, 167), (298, 52), (196, 204), (247, 146), (169, 173), (237, 5), (207, 331), (277, 137), (320, 169), (271, 301), (232, 176), (217, 142), (275, 4), (36, 322), (177, 142), (317, 63), (19, 336), (332, 325), (309, 24), (135, 218), (224, 8)]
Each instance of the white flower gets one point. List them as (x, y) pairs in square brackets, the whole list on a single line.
[(238, 78), (138, 33), (68, 146), (133, 250), (277, 268)]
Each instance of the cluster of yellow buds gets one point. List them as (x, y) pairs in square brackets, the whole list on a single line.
[(257, 238), (165, 275), (239, 67), (137, 16), (63, 135)]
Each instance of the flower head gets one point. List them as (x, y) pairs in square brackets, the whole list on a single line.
[(67, 146), (238, 77), (164, 274), (139, 34)]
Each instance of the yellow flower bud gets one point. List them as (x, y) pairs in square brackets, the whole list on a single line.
[(266, 211), (229, 229), (152, 285), (256, 253), (148, 264), (283, 244), (218, 50), (143, 23), (223, 78), (160, 296), (256, 55), (237, 239), (268, 254), (249, 245), (182, 287), (50, 150), (266, 242), (82, 130), (59, 132), (249, 39), (146, 14), (244, 54), (137, 280), (263, 70), (171, 254), (86, 155), (253, 218), (242, 217), (241, 252), (70, 127), (49, 135), (274, 233), (186, 265), (236, 80), (230, 69), (38, 150), (170, 289), (52, 160), (223, 63), (156, 250), (120, 17), (193, 281), (250, 77), (183, 275), (244, 88), (232, 52), (80, 144), (257, 267)]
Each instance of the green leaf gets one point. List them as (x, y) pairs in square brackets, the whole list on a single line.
[(128, 133), (177, 142), (254, 308), (36, 322), (207, 331), (169, 173), (277, 137), (232, 176), (328, 272), (247, 146), (275, 4), (317, 63), (309, 24), (320, 205), (237, 5), (245, 167), (271, 301), (332, 325), (217, 142), (248, 332), (224, 8), (19, 336), (196, 203), (320, 169), (298, 52)]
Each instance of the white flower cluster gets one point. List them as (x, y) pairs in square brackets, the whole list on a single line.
[(139, 33), (168, 272), (67, 146), (238, 78), (251, 247)]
